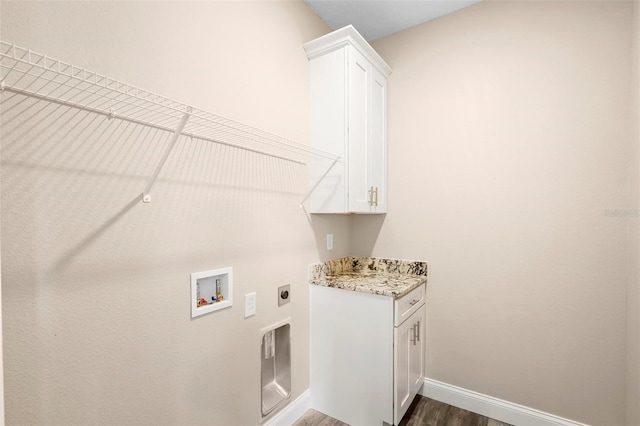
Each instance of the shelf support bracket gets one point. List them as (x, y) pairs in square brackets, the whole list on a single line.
[(146, 195), (318, 182)]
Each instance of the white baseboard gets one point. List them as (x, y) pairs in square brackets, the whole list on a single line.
[(489, 406), (291, 412), (485, 405)]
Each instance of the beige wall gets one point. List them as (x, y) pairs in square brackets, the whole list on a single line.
[(95, 285), (1, 339), (507, 121), (633, 296), (508, 142)]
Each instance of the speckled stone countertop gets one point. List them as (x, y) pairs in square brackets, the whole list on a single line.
[(387, 277)]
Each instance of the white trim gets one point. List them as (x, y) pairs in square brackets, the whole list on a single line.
[(291, 412), (346, 36), (489, 406), (273, 326)]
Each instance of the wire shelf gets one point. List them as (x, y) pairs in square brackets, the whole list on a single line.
[(32, 74)]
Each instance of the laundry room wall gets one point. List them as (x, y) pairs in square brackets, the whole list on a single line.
[(95, 284), (508, 171), (633, 295)]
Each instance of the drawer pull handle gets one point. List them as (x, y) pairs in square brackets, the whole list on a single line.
[(413, 302)]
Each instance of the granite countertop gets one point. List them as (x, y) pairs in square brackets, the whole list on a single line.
[(387, 277)]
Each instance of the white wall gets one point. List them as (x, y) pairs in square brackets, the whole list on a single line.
[(508, 144), (633, 295), (95, 285)]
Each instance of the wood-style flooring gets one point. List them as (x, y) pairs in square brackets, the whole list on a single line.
[(423, 412), (429, 412), (316, 418)]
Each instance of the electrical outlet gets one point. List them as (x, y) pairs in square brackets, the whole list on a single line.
[(249, 305), (329, 241), (284, 294)]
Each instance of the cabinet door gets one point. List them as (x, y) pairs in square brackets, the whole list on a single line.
[(409, 355), (377, 142), (367, 136), (417, 353), (403, 380), (360, 75)]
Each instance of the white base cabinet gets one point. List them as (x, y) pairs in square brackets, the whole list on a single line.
[(365, 370)]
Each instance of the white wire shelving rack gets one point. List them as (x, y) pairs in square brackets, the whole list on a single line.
[(27, 73)]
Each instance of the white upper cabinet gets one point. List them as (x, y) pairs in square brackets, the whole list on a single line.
[(349, 119)]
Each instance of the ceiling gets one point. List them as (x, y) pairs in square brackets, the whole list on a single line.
[(378, 18)]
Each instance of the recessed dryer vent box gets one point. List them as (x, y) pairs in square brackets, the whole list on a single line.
[(211, 291)]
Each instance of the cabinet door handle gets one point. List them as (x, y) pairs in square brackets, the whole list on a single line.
[(370, 196), (418, 331), (375, 193)]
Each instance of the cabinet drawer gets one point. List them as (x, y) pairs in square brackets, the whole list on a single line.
[(408, 304)]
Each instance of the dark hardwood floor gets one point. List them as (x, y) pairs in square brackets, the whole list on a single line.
[(429, 412), (423, 412), (316, 418)]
